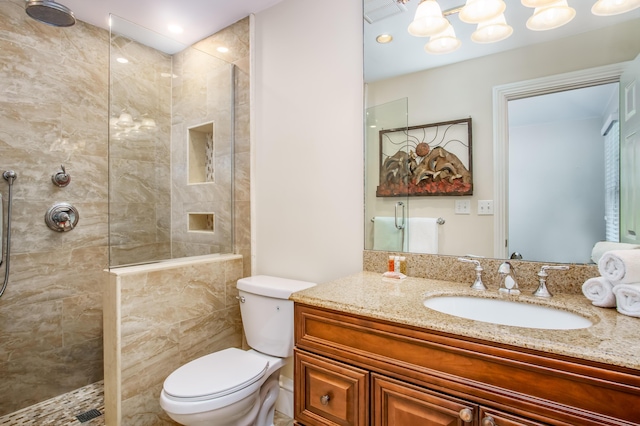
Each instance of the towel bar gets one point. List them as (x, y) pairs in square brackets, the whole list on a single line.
[(439, 221)]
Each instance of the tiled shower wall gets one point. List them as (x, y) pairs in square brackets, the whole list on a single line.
[(159, 317), (54, 90), (53, 109)]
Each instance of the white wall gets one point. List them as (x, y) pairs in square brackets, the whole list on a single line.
[(307, 174), (465, 90)]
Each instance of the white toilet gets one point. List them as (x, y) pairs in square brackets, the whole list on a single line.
[(232, 386)]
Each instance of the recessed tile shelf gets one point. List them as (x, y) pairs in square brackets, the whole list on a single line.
[(201, 154), (201, 222)]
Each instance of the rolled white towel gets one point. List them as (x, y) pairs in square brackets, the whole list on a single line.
[(600, 291), (601, 247), (620, 266), (628, 299)]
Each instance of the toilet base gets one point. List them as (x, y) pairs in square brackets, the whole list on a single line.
[(241, 413)]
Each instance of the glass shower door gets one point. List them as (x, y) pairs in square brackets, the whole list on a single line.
[(387, 162)]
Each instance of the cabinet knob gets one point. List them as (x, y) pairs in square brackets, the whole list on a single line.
[(466, 415), (324, 399), (488, 421)]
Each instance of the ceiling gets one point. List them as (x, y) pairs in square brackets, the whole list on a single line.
[(405, 54), (199, 18)]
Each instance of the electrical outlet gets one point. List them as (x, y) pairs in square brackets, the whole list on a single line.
[(463, 206), (485, 207)]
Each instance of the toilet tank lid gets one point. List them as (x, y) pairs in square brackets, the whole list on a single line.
[(264, 285)]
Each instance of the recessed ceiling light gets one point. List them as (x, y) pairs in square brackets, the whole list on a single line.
[(122, 60), (176, 29), (222, 49), (384, 38)]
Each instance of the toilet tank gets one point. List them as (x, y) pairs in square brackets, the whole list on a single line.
[(267, 314)]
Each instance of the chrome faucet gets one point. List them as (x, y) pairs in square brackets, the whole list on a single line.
[(508, 281), (477, 284), (542, 276)]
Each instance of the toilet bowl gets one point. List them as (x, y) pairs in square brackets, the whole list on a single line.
[(233, 386)]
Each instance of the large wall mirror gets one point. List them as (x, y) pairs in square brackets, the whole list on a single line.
[(543, 106)]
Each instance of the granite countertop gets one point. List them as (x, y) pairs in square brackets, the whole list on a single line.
[(612, 339)]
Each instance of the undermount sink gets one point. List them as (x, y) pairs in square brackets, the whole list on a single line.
[(507, 312)]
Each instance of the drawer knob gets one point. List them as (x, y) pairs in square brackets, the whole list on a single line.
[(324, 399), (466, 415), (488, 421)]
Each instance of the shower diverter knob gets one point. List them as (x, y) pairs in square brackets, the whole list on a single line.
[(62, 217)]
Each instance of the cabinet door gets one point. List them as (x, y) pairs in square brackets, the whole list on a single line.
[(400, 404), (329, 393), (489, 417)]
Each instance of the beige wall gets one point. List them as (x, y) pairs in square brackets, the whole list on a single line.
[(53, 111), (465, 90), (308, 140), (159, 317)]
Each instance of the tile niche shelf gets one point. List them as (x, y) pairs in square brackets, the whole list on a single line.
[(201, 147), (201, 222)]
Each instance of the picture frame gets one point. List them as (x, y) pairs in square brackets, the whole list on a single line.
[(426, 160)]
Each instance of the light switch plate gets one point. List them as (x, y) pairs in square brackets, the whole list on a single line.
[(463, 206), (485, 207)]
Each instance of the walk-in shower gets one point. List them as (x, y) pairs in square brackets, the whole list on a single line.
[(51, 314)]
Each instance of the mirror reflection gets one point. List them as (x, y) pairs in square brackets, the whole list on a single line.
[(413, 88)]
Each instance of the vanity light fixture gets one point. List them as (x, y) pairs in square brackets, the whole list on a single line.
[(428, 20), (551, 16), (431, 21), (614, 7), (493, 30), (443, 42), (478, 11)]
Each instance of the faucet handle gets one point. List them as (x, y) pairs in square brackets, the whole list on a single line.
[(542, 288), (545, 268), (477, 284)]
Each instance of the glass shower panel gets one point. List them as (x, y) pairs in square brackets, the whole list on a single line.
[(170, 148), (385, 161)]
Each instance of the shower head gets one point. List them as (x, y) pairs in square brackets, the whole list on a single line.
[(50, 12)]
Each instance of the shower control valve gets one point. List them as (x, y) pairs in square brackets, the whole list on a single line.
[(62, 217), (61, 177)]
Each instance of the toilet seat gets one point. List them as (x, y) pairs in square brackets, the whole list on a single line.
[(215, 375)]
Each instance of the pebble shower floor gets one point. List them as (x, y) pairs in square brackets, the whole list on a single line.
[(84, 406), (63, 410)]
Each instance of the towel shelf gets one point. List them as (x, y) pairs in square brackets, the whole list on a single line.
[(439, 221)]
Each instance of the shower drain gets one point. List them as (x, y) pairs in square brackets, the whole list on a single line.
[(91, 414)]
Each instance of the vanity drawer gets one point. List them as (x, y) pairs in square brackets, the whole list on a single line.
[(497, 418), (396, 403), (329, 393)]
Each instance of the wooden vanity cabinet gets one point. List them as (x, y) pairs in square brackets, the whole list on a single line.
[(352, 370), (330, 393)]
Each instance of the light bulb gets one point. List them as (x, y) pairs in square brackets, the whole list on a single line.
[(428, 20), (493, 30), (552, 16), (614, 7), (476, 11), (443, 42)]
